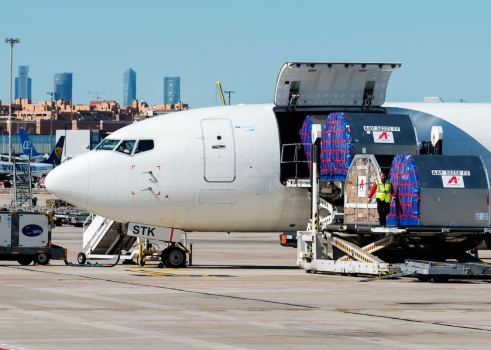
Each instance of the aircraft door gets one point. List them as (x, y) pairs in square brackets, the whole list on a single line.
[(219, 150)]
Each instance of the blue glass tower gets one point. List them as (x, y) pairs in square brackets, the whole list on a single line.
[(23, 84), (63, 86), (172, 90), (129, 87)]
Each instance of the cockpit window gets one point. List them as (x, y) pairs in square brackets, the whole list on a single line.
[(143, 146), (108, 145), (126, 146)]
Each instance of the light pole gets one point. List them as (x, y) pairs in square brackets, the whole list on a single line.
[(229, 92), (51, 122), (11, 41)]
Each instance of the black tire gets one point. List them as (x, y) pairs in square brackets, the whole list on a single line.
[(25, 260), (424, 278), (81, 258), (59, 222), (161, 265), (176, 257), (41, 259), (164, 256)]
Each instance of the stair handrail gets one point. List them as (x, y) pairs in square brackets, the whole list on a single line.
[(98, 233)]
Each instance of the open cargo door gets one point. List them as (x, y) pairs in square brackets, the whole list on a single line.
[(301, 85)]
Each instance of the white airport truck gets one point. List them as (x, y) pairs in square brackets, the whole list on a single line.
[(25, 237)]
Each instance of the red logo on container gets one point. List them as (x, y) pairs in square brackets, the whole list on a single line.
[(453, 180), (383, 135)]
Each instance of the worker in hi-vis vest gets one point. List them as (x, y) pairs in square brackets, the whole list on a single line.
[(383, 189)]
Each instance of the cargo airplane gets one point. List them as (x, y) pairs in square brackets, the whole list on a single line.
[(224, 169)]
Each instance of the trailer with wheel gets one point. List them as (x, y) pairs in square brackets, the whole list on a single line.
[(106, 239), (25, 237)]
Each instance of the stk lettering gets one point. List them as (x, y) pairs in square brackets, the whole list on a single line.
[(149, 230)]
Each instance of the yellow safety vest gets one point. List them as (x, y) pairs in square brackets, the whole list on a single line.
[(383, 191)]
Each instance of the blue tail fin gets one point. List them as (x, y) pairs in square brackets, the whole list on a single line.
[(55, 156), (27, 145)]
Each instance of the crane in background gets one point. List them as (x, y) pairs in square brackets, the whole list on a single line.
[(96, 94), (219, 85)]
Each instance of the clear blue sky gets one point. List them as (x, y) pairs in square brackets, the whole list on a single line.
[(444, 45)]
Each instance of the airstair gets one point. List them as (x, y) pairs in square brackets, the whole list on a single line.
[(22, 183), (102, 240)]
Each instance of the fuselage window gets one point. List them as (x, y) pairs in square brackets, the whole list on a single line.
[(107, 145), (126, 146), (143, 146)]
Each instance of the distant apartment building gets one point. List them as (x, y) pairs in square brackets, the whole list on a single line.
[(23, 84), (44, 117), (172, 90), (63, 86), (129, 87)]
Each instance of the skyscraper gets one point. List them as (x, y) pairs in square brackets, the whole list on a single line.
[(63, 86), (23, 84), (129, 87), (172, 90)]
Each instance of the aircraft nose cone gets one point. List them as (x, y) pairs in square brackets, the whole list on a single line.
[(70, 181)]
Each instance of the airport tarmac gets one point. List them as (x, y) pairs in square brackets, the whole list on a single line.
[(243, 291)]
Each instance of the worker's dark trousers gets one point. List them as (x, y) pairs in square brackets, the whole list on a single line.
[(383, 209)]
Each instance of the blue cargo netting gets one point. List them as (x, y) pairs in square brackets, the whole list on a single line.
[(404, 210), (306, 137), (336, 147)]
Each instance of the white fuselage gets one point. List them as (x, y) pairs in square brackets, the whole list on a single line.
[(197, 181), (218, 169)]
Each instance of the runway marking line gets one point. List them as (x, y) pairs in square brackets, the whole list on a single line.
[(347, 311), (476, 310), (168, 274)]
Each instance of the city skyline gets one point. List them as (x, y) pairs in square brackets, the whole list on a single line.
[(247, 54), (129, 87), (63, 86), (172, 90), (23, 84)]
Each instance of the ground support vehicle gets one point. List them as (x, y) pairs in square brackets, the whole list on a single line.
[(70, 216), (26, 237), (335, 148), (106, 239)]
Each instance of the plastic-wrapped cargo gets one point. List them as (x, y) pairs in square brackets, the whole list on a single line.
[(336, 147), (439, 191), (364, 170), (345, 135), (306, 137), (404, 176)]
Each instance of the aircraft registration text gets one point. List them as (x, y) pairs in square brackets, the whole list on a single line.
[(451, 172)]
